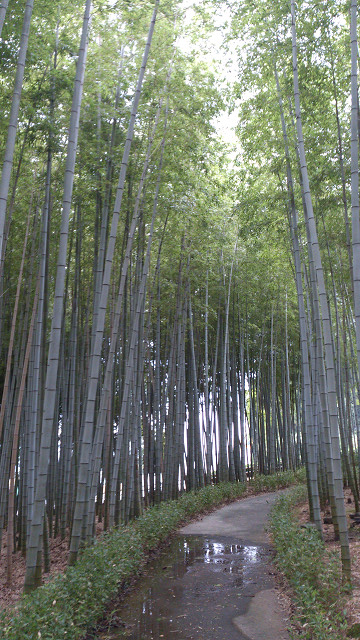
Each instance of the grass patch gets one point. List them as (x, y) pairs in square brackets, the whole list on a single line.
[(353, 631), (313, 572), (73, 602)]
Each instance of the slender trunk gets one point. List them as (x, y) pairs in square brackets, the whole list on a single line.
[(33, 568), (309, 423), (14, 454), (3, 8), (13, 121), (355, 175), (13, 326), (330, 369)]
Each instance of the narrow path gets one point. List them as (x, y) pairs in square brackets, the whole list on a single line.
[(259, 614), (213, 583)]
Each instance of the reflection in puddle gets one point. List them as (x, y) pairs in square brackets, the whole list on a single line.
[(180, 596)]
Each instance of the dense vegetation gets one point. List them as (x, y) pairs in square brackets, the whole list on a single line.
[(174, 311), (313, 572)]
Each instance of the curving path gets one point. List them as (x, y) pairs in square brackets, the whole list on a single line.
[(213, 583), (259, 614)]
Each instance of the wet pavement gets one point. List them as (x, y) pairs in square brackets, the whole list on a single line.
[(208, 585)]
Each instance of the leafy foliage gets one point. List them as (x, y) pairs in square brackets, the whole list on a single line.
[(313, 572)]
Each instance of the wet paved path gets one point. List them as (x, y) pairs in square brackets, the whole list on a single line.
[(214, 582)]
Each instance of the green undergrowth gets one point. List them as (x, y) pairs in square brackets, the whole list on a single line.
[(72, 603), (313, 572)]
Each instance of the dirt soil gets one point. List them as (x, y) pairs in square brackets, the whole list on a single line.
[(59, 550)]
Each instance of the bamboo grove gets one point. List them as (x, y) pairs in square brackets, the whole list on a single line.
[(170, 317)]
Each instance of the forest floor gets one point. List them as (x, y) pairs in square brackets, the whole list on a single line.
[(59, 554), (353, 602), (59, 550)]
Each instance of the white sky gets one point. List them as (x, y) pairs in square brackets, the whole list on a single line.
[(225, 63)]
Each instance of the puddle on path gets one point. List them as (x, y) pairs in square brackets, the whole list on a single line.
[(192, 591)]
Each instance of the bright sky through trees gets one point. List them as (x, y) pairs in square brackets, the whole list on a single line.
[(220, 53)]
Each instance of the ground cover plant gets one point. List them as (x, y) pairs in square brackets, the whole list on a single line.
[(313, 572), (73, 602)]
